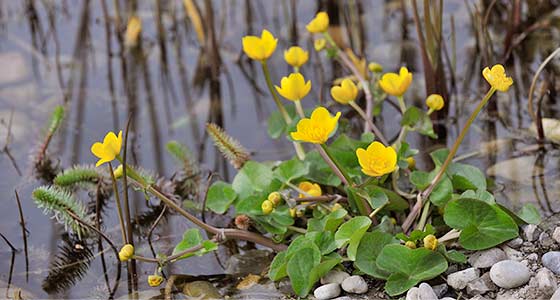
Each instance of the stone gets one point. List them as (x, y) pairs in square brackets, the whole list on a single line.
[(530, 232), (545, 240), (556, 295), (440, 289), (509, 274), (512, 254), (533, 257), (423, 292), (515, 243), (551, 260), (556, 235), (481, 285), (459, 280), (355, 284), (487, 258), (327, 291), (334, 276), (249, 262), (546, 283), (201, 290), (478, 297), (447, 298)]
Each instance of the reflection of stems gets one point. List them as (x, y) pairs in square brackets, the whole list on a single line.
[(117, 199), (365, 85), (364, 116), (426, 193), (299, 109), (299, 149)]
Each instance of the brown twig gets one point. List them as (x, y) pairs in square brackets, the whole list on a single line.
[(24, 234)]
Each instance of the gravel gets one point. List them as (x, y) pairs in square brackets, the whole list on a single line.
[(459, 280), (509, 274), (355, 284), (551, 260)]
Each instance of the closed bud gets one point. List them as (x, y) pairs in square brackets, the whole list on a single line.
[(320, 44), (375, 67), (430, 242), (267, 206), (410, 244), (275, 198), (155, 280), (118, 172), (126, 253), (435, 102), (411, 162)]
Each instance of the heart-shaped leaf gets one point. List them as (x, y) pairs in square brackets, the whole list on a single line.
[(290, 170), (220, 196), (299, 269), (408, 267), (253, 177), (482, 225), (370, 246), (351, 233)]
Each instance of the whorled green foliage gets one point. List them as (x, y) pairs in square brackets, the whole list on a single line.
[(56, 118), (78, 174), (184, 155), (60, 203), (230, 148)]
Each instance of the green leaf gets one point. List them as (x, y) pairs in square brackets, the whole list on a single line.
[(456, 256), (322, 269), (408, 267), (419, 121), (290, 170), (276, 125), (420, 179), (319, 170), (324, 240), (373, 194), (281, 215), (329, 222), (220, 196), (370, 246), (299, 269), (482, 225), (482, 195), (442, 192), (192, 238), (466, 177), (278, 266), (350, 233), (439, 156), (529, 214), (253, 177), (250, 205)]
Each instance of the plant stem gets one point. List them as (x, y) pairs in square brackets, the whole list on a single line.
[(374, 212), (117, 199), (299, 109), (333, 164), (374, 128), (402, 105), (424, 216), (426, 193), (297, 229)]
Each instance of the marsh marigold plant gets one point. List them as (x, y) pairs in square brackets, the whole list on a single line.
[(497, 78), (295, 56), (311, 189), (345, 93), (377, 160), (319, 24), (259, 48), (396, 84), (294, 87), (109, 149), (316, 129)]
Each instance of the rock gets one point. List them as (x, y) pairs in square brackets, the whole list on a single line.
[(355, 284), (447, 298), (201, 290), (508, 274), (481, 285), (334, 276), (487, 258), (423, 292), (478, 297), (249, 262), (440, 289), (512, 254), (545, 240), (546, 283), (327, 291), (556, 295), (515, 243), (266, 290), (533, 257), (551, 260), (530, 232), (344, 298), (556, 235), (459, 280), (247, 282)]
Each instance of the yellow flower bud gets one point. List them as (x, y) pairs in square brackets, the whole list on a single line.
[(155, 280), (319, 44), (393, 221), (316, 129), (410, 244), (411, 162), (377, 160), (118, 172), (133, 30), (396, 84), (497, 78), (293, 212), (319, 24), (375, 67), (435, 102), (275, 198), (344, 93), (336, 207), (296, 56), (259, 48), (300, 213), (126, 253), (430, 242), (267, 206)]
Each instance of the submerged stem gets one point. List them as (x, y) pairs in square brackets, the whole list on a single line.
[(117, 199)]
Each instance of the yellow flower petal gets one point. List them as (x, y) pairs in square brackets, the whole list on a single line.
[(259, 48), (317, 128), (497, 78), (319, 24), (109, 149), (396, 84), (294, 87), (346, 92), (377, 160), (296, 56)]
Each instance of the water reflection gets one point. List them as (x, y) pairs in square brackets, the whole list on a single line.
[(186, 69)]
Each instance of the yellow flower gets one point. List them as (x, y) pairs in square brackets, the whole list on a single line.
[(375, 67), (316, 129), (410, 244), (267, 206), (311, 189), (396, 84), (344, 93), (497, 78), (377, 160), (259, 48), (319, 44), (133, 30), (109, 149), (294, 87), (275, 198), (126, 253), (435, 102), (155, 280), (296, 56), (319, 24), (411, 162), (118, 172), (430, 242)]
